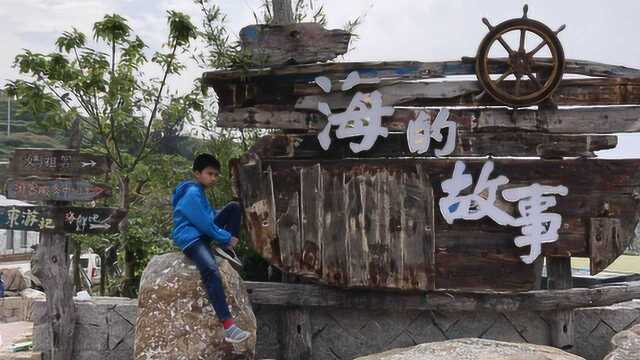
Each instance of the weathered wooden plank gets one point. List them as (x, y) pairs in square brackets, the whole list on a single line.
[(52, 269), (356, 189), (55, 190), (520, 144), (539, 300), (56, 162), (585, 92), (402, 70), (311, 202), (404, 258), (596, 120), (286, 186), (417, 224), (561, 327), (478, 266), (396, 234), (259, 204), (334, 247), (290, 44), (295, 328), (282, 12), (464, 247), (604, 242), (67, 219), (269, 119), (378, 233), (567, 121)]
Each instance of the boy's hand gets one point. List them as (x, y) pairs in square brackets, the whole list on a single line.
[(233, 242)]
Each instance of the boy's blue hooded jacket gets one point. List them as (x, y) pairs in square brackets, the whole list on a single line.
[(193, 216)]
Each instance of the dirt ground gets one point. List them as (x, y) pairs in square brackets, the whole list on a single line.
[(15, 332)]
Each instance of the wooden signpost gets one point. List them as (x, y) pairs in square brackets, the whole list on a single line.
[(58, 162), (70, 220), (377, 184), (55, 190), (52, 177)]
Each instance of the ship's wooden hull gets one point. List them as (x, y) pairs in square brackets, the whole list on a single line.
[(376, 223)]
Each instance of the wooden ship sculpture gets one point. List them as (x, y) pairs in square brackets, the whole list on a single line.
[(400, 176)]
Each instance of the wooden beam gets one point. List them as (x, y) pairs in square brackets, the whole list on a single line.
[(580, 92), (52, 270), (286, 95), (517, 144), (282, 12), (269, 45), (591, 120), (401, 70), (561, 325), (304, 295), (295, 337)]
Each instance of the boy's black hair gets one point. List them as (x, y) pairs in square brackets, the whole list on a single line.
[(204, 160)]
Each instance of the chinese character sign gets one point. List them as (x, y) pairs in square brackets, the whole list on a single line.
[(25, 218), (363, 116), (538, 226), (420, 132)]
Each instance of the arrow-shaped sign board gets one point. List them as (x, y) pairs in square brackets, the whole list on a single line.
[(55, 190), (56, 162), (57, 219)]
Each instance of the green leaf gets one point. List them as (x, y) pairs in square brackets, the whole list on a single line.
[(71, 40), (112, 29), (181, 30)]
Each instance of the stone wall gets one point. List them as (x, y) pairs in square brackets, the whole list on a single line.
[(105, 329), (18, 308), (346, 334), (12, 309)]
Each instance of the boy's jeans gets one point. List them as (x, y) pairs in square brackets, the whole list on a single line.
[(229, 218)]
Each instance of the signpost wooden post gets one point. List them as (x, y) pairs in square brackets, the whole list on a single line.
[(52, 177)]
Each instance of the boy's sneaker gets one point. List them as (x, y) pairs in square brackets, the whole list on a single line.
[(230, 255), (235, 335)]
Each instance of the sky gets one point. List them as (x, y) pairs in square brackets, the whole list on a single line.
[(419, 30)]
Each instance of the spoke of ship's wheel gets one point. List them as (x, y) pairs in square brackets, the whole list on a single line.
[(505, 45), (523, 34), (504, 76), (537, 48), (535, 80)]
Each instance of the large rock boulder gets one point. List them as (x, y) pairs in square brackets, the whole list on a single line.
[(175, 320), (626, 345), (474, 349), (13, 280)]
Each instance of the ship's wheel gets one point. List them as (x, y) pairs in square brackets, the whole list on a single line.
[(524, 75)]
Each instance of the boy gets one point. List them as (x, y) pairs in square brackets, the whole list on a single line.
[(196, 224)]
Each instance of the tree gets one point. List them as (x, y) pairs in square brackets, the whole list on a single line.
[(107, 90)]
